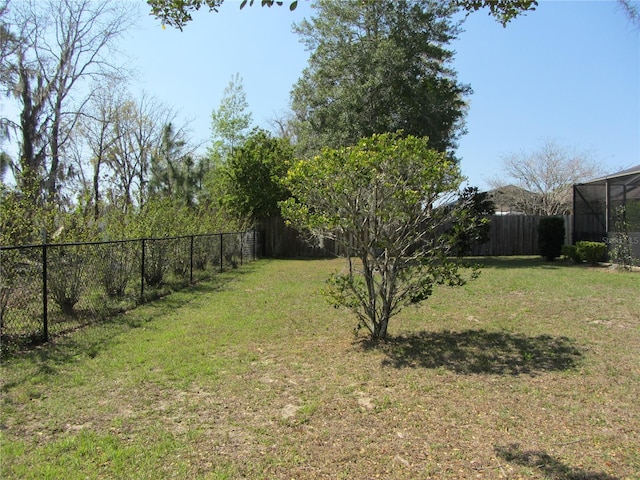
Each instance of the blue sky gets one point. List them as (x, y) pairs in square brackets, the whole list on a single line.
[(570, 72)]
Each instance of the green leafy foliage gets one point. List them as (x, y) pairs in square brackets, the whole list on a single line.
[(592, 252), (377, 67), (620, 241), (571, 252), (504, 11), (477, 208), (230, 121), (177, 13), (24, 219), (254, 176), (66, 280), (378, 201), (160, 218), (550, 237)]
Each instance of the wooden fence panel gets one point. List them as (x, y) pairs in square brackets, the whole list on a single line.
[(509, 235), (516, 235), (281, 241)]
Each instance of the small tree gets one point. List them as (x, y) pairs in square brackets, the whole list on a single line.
[(378, 200)]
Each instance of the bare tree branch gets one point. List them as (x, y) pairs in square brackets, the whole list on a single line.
[(632, 11), (539, 182), (64, 44)]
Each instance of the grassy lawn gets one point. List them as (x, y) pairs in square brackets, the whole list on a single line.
[(531, 371)]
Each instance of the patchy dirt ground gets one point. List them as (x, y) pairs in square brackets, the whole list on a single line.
[(534, 392)]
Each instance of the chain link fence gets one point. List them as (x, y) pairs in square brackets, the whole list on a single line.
[(49, 290)]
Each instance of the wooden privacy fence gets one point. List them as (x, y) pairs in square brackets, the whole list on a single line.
[(516, 235), (509, 235), (280, 241)]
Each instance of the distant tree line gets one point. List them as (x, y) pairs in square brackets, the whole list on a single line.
[(85, 159)]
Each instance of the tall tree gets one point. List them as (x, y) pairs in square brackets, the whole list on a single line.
[(62, 45), (138, 130), (8, 79), (125, 157), (173, 168), (230, 121), (5, 164), (378, 67), (97, 131)]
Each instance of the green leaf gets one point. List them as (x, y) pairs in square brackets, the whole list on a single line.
[(395, 74)]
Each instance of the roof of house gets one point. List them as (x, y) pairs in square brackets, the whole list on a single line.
[(509, 198), (629, 176)]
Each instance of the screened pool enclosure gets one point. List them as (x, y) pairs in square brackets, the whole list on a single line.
[(603, 208)]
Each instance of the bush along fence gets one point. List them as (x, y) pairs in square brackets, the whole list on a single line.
[(50, 289)]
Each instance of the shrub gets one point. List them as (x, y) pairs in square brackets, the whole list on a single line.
[(621, 251), (200, 254), (9, 272), (156, 261), (571, 252), (179, 257), (117, 269), (230, 250), (5, 294), (592, 252), (550, 237), (65, 280)]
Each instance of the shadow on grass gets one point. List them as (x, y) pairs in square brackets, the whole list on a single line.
[(550, 466), (479, 351), (520, 262)]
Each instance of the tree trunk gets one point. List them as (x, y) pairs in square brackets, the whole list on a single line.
[(380, 331), (96, 188), (29, 178), (52, 181)]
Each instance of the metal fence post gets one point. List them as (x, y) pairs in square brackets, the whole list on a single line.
[(221, 251), (45, 305), (255, 245), (191, 261), (142, 270)]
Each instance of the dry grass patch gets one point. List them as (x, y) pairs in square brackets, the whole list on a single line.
[(532, 371)]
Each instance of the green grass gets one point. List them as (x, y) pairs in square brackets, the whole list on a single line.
[(531, 371)]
